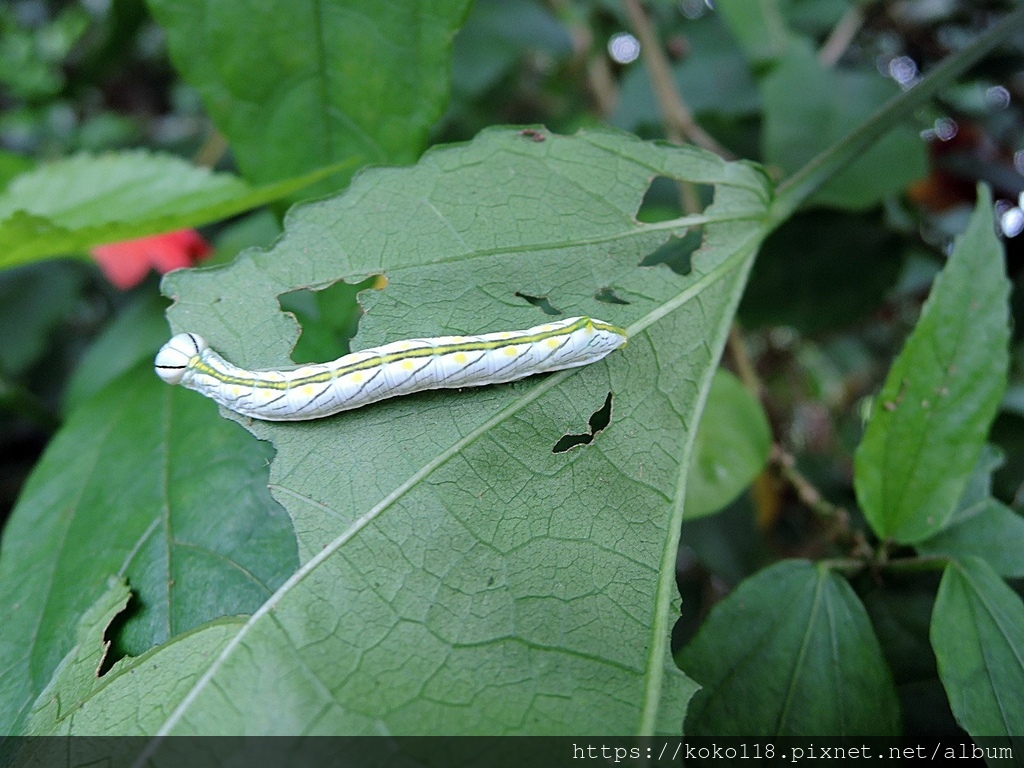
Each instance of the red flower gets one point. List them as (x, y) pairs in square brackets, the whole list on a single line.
[(127, 263)]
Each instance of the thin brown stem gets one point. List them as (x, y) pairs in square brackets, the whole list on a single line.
[(741, 359), (212, 151), (676, 116), (837, 518), (602, 85), (841, 36), (784, 463)]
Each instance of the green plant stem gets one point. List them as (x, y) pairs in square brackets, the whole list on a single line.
[(792, 193), (917, 564), (850, 566)]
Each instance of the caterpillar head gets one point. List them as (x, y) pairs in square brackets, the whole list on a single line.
[(174, 356)]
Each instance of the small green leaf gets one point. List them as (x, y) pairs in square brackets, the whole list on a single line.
[(70, 205), (929, 422), (978, 490), (731, 448), (145, 482), (360, 81), (981, 525), (759, 27), (790, 653), (808, 108), (978, 636), (994, 533)]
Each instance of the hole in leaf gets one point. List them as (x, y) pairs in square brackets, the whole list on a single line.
[(541, 302), (609, 296), (115, 648), (599, 420), (329, 317), (661, 201), (676, 254), (664, 199)]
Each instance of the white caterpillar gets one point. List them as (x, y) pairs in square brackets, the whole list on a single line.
[(399, 368)]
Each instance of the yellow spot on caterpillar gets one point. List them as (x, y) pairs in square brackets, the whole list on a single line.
[(510, 351), (236, 391), (505, 335), (590, 327), (460, 358), (546, 328), (357, 378), (408, 365), (553, 343), (307, 390)]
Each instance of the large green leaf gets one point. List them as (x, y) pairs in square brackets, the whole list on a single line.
[(978, 636), (790, 653), (497, 34), (147, 483), (315, 82), (929, 422), (69, 205), (458, 574), (901, 611), (34, 300), (134, 335), (12, 166)]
